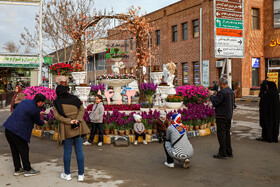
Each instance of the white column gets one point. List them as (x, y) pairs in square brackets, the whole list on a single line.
[(229, 76)]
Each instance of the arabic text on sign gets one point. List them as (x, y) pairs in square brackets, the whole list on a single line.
[(229, 24), (229, 32), (273, 43), (226, 6), (225, 41), (233, 1), (229, 15)]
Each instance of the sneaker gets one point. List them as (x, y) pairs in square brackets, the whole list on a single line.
[(171, 165), (86, 143), (144, 142), (32, 172), (81, 178), (135, 143), (19, 172), (65, 177), (99, 144), (187, 164)]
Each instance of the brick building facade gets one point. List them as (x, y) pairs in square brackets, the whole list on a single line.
[(176, 38)]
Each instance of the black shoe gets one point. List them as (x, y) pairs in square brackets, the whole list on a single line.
[(231, 156), (219, 156)]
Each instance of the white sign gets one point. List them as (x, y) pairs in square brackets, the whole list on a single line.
[(229, 52), (229, 29), (226, 41), (205, 73)]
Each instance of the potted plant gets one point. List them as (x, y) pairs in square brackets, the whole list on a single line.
[(95, 88), (146, 106), (60, 71), (149, 89), (106, 128), (174, 101)]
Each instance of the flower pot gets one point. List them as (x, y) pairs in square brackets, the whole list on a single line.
[(145, 131), (205, 125), (115, 131), (212, 123), (127, 132), (48, 128), (150, 98), (59, 78), (79, 77), (196, 127), (132, 132), (52, 127), (107, 131), (208, 125), (190, 128), (150, 131), (201, 127), (155, 131), (112, 131), (116, 59), (56, 129), (39, 127), (121, 132), (173, 105)]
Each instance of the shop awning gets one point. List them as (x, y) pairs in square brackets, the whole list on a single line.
[(19, 61)]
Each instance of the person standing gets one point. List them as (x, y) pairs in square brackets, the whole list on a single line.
[(10, 86), (96, 118), (18, 129), (17, 98), (223, 101), (263, 90), (270, 111), (177, 145), (161, 124), (69, 111)]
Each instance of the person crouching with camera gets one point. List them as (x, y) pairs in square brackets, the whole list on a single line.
[(69, 111)]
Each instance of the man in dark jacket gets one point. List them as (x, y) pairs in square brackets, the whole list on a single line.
[(223, 102), (18, 129)]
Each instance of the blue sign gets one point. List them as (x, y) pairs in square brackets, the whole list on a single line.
[(255, 62)]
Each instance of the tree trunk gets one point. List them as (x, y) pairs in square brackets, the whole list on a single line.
[(142, 96)]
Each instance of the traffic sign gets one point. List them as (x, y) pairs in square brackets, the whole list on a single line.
[(229, 28), (229, 32), (230, 24), (229, 15), (226, 6), (225, 41)]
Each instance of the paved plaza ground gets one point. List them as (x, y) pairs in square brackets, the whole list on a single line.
[(254, 163)]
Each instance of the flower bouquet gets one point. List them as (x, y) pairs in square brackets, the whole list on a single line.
[(149, 89), (95, 88), (193, 94), (174, 98)]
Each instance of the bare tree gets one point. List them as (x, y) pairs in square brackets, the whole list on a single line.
[(11, 47)]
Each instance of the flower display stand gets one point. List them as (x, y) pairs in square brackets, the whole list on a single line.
[(79, 77), (156, 77), (83, 93), (173, 105), (117, 84)]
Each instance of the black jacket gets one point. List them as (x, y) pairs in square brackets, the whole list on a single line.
[(224, 103)]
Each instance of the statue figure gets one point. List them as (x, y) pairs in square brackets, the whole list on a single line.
[(117, 67), (170, 68)]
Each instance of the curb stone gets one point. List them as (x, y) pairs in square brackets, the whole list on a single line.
[(112, 139)]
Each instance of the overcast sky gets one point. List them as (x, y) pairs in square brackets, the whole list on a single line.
[(13, 18)]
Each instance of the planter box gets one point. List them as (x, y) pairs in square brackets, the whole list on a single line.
[(254, 92), (173, 105)]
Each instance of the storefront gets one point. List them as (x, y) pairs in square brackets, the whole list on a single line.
[(20, 69)]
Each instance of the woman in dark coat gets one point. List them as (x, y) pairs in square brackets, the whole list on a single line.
[(269, 113)]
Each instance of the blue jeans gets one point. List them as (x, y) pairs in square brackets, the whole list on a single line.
[(78, 145)]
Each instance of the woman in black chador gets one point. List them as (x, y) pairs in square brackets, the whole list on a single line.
[(269, 113)]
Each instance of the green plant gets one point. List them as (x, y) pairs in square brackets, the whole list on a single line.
[(106, 126), (174, 98)]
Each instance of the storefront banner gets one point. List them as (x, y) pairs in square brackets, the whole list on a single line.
[(255, 62), (205, 73), (273, 77), (48, 60), (19, 61)]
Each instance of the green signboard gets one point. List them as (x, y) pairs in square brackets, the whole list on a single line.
[(229, 24), (19, 61), (48, 60), (20, 65)]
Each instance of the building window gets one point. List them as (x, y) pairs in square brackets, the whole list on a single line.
[(196, 71), (131, 71), (255, 18), (174, 33), (185, 31), (158, 37), (195, 28), (131, 43), (276, 13), (185, 73)]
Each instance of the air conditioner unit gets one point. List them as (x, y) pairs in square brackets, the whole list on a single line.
[(219, 64)]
